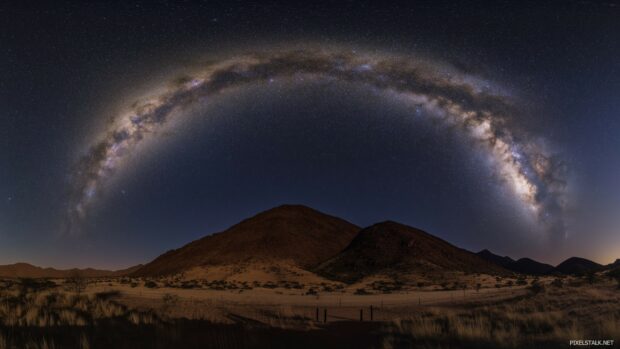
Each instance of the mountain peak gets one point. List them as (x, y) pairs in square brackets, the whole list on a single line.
[(388, 247), (295, 233), (578, 265)]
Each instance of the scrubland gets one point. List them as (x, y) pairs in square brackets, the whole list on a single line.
[(480, 312)]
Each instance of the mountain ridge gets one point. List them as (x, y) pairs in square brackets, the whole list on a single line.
[(27, 270), (296, 234), (389, 247)]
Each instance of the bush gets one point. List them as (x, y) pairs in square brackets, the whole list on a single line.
[(536, 287), (76, 282), (150, 284), (361, 291), (615, 275), (591, 278), (557, 283), (170, 299)]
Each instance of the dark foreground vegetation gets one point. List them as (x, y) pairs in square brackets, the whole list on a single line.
[(45, 315), (113, 333)]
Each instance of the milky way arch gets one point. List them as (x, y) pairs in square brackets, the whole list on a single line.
[(489, 119)]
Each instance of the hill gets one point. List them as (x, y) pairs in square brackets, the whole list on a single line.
[(532, 267), (523, 265), (25, 270), (295, 235), (577, 265), (505, 262), (390, 247)]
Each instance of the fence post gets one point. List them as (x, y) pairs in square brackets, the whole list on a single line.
[(325, 315), (362, 314), (317, 314)]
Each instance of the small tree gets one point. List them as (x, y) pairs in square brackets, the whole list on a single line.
[(76, 282)]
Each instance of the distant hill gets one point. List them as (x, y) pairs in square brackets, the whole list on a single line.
[(390, 247), (25, 270), (296, 234), (298, 243), (523, 265), (505, 262), (128, 271), (576, 265), (532, 267)]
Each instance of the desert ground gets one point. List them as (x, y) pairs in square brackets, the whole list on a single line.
[(460, 311)]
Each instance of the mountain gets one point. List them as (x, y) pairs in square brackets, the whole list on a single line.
[(532, 267), (125, 272), (390, 247), (504, 262), (25, 270), (295, 234), (576, 265), (523, 265)]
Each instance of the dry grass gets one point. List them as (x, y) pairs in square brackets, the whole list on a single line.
[(546, 317), (29, 306), (52, 308), (553, 316)]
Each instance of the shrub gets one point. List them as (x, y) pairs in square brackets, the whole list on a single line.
[(76, 282), (591, 277), (615, 275), (536, 287), (170, 299)]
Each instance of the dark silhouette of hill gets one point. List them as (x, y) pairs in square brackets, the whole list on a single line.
[(532, 267), (504, 262), (577, 265), (294, 233), (523, 265), (25, 270), (390, 247)]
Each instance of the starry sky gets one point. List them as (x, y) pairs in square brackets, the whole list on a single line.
[(129, 129)]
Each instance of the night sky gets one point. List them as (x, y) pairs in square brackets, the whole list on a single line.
[(130, 129)]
